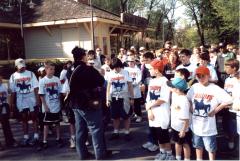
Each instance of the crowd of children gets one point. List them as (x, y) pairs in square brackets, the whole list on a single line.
[(182, 94)]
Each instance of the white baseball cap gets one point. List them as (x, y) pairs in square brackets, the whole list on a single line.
[(20, 63), (141, 48)]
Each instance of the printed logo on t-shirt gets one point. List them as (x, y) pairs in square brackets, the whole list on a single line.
[(3, 97), (23, 85), (201, 108), (117, 84), (52, 90), (154, 92), (133, 75)]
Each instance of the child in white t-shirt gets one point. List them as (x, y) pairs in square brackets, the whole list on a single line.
[(158, 109), (231, 83), (119, 97), (180, 116), (24, 96), (136, 75), (49, 91), (207, 100)]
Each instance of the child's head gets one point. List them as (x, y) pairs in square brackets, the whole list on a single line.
[(131, 61), (49, 68), (178, 85), (116, 65), (231, 66), (182, 73), (155, 67), (41, 71), (107, 60), (20, 65), (203, 75)]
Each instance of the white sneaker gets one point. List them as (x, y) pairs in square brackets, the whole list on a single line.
[(160, 156), (153, 148), (147, 144), (72, 143), (139, 119), (170, 157)]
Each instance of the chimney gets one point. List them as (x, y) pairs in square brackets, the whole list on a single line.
[(83, 1)]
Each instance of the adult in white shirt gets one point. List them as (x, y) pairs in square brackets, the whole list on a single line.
[(207, 100), (63, 74)]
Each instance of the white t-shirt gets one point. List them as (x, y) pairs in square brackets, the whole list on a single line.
[(158, 89), (136, 75), (63, 75), (236, 102), (191, 68), (180, 109), (213, 73), (65, 87), (3, 97), (24, 84), (119, 83), (51, 89), (204, 99), (230, 84), (107, 70)]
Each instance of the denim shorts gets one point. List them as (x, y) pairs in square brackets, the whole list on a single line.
[(209, 142)]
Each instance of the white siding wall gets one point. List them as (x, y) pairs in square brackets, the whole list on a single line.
[(39, 44)]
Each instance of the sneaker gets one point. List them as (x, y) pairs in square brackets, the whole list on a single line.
[(170, 157), (72, 143), (24, 142), (41, 146), (14, 144), (147, 144), (59, 143), (139, 119), (114, 136), (127, 137), (153, 148), (160, 156)]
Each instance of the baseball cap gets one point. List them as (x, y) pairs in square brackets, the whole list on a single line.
[(157, 64), (202, 70), (141, 48), (178, 83), (222, 45), (41, 69), (20, 63)]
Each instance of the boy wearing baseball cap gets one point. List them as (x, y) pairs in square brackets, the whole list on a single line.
[(207, 100), (24, 96), (180, 115), (158, 109)]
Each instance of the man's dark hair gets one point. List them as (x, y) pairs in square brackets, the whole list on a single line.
[(185, 52), (148, 55), (204, 56), (78, 53), (116, 63)]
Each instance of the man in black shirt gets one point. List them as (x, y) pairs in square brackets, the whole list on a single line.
[(84, 81)]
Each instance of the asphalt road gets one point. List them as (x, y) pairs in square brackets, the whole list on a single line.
[(122, 150)]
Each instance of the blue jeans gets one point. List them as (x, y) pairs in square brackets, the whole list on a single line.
[(209, 142), (92, 120)]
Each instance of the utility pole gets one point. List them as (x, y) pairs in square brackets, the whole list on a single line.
[(92, 26)]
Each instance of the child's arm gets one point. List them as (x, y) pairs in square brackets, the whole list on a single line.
[(44, 103), (154, 103), (108, 100), (130, 89), (185, 126)]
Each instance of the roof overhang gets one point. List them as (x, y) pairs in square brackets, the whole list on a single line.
[(71, 21), (9, 25)]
